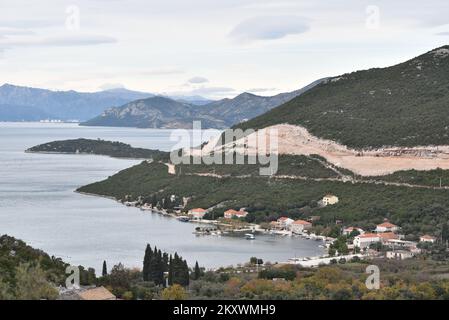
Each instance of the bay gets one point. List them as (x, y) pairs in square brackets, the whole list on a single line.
[(38, 205)]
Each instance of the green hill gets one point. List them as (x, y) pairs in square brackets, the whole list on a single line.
[(99, 147), (404, 105)]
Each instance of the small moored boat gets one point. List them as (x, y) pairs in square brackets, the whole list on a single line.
[(249, 236)]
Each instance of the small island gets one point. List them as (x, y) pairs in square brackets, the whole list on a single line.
[(113, 149)]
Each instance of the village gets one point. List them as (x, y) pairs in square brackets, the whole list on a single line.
[(386, 240)]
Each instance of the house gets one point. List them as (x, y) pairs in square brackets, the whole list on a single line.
[(197, 213), (347, 231), (385, 237), (398, 243), (427, 238), (284, 222), (299, 226), (229, 214), (329, 199), (365, 240), (274, 225), (99, 293), (399, 254), (386, 227), (85, 293)]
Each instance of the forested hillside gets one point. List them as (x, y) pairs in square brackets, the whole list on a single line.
[(403, 105)]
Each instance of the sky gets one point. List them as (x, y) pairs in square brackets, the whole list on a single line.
[(212, 48)]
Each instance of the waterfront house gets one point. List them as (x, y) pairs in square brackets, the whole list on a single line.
[(399, 254), (329, 199), (427, 238), (363, 241), (231, 213), (299, 226), (386, 227), (274, 225), (197, 213), (285, 222), (347, 231)]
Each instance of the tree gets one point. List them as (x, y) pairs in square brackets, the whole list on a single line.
[(146, 263), (104, 272), (32, 284), (120, 278), (5, 291), (170, 271), (445, 233), (174, 292), (196, 271), (156, 268)]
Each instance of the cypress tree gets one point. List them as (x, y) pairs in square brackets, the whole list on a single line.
[(196, 271), (146, 263), (105, 269), (170, 271), (185, 273)]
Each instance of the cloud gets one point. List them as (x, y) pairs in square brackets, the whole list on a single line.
[(268, 28), (110, 86), (212, 90), (209, 92), (59, 41), (161, 71), (196, 80), (258, 90), (6, 31), (31, 23), (445, 33)]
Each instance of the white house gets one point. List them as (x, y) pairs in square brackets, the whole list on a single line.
[(330, 199), (299, 226), (386, 227), (365, 240), (399, 254), (229, 214), (197, 213), (347, 231), (285, 222), (427, 238)]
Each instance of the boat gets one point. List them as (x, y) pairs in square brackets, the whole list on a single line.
[(183, 219), (249, 236)]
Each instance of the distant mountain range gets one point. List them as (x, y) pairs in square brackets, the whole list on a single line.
[(162, 112), (404, 105), (19, 103)]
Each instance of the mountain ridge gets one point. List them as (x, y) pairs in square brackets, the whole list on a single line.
[(402, 105), (23, 103), (219, 114)]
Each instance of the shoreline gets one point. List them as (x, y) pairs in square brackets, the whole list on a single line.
[(87, 154), (253, 228)]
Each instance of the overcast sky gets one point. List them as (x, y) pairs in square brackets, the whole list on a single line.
[(213, 48)]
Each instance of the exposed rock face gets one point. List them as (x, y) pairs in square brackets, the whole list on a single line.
[(297, 140)]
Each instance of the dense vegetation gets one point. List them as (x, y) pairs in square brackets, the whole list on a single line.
[(431, 178), (155, 263), (288, 165), (415, 279), (403, 105), (100, 147), (416, 210), (28, 273)]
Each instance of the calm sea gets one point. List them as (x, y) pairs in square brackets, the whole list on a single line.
[(38, 205)]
